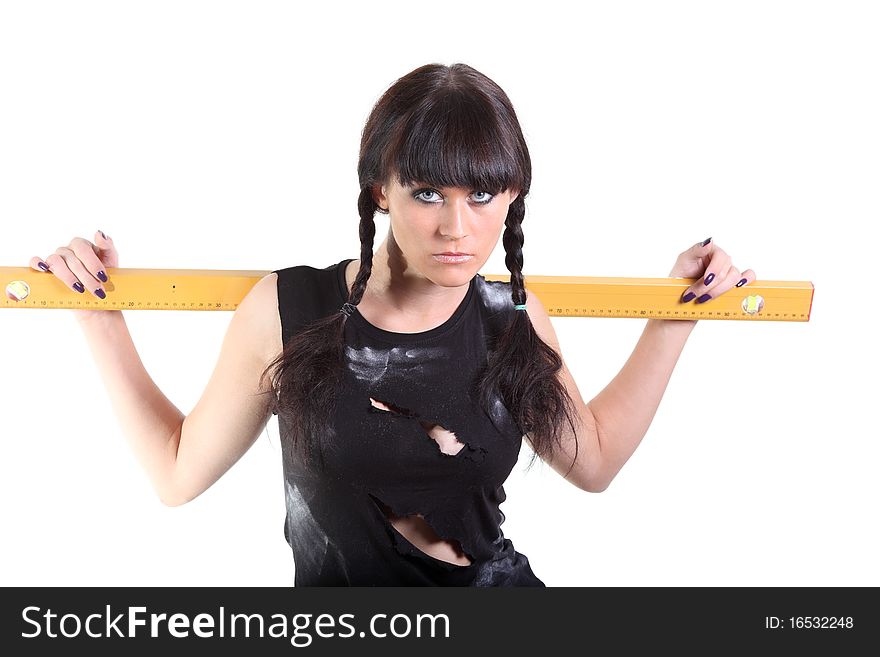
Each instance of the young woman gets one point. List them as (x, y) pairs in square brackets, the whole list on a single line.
[(403, 381)]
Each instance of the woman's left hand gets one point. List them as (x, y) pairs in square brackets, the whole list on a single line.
[(714, 269)]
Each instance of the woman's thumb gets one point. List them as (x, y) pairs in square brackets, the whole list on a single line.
[(105, 249), (103, 242)]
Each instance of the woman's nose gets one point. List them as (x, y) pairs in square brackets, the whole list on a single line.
[(455, 219)]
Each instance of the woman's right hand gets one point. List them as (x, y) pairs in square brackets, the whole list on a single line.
[(82, 266)]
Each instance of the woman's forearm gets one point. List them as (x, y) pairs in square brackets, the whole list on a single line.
[(148, 419), (625, 408)]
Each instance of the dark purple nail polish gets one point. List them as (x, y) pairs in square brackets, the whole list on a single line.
[(709, 279), (704, 298), (688, 297), (100, 293), (741, 283), (706, 241), (79, 287), (43, 266), (102, 276)]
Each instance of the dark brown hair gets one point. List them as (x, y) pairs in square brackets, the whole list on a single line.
[(446, 126)]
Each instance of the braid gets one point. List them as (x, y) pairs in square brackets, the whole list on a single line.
[(513, 242), (522, 369), (367, 209), (309, 369)]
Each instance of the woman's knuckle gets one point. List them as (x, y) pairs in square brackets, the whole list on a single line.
[(80, 247)]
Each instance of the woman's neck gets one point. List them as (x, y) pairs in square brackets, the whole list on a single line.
[(396, 289)]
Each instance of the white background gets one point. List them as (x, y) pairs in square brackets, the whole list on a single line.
[(224, 135)]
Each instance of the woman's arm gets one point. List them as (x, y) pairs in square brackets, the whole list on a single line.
[(614, 422), (147, 418), (183, 455), (625, 408)]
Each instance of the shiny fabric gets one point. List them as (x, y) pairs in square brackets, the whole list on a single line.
[(381, 460)]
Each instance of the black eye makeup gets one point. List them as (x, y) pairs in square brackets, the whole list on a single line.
[(428, 190)]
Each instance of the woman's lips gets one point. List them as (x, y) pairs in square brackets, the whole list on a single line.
[(450, 259)]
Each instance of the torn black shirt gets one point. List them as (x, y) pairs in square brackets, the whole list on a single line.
[(385, 459)]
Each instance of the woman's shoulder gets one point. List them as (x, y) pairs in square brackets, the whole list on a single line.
[(308, 270), (258, 313), (302, 279), (304, 293), (495, 295)]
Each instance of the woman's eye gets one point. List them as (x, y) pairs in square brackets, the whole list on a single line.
[(425, 191), (481, 198)]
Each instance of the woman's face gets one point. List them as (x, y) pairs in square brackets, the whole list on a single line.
[(427, 221)]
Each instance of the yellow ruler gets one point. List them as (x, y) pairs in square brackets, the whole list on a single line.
[(563, 296)]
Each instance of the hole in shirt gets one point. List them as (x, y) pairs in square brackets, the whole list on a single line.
[(415, 529), (445, 439)]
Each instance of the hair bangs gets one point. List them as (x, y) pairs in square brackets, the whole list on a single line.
[(456, 142)]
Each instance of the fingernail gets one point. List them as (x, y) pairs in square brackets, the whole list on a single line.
[(688, 297), (79, 287), (103, 235), (43, 266), (709, 279), (102, 276), (704, 298), (706, 241), (741, 283), (100, 293)]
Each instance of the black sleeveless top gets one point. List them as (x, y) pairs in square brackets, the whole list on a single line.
[(385, 460)]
